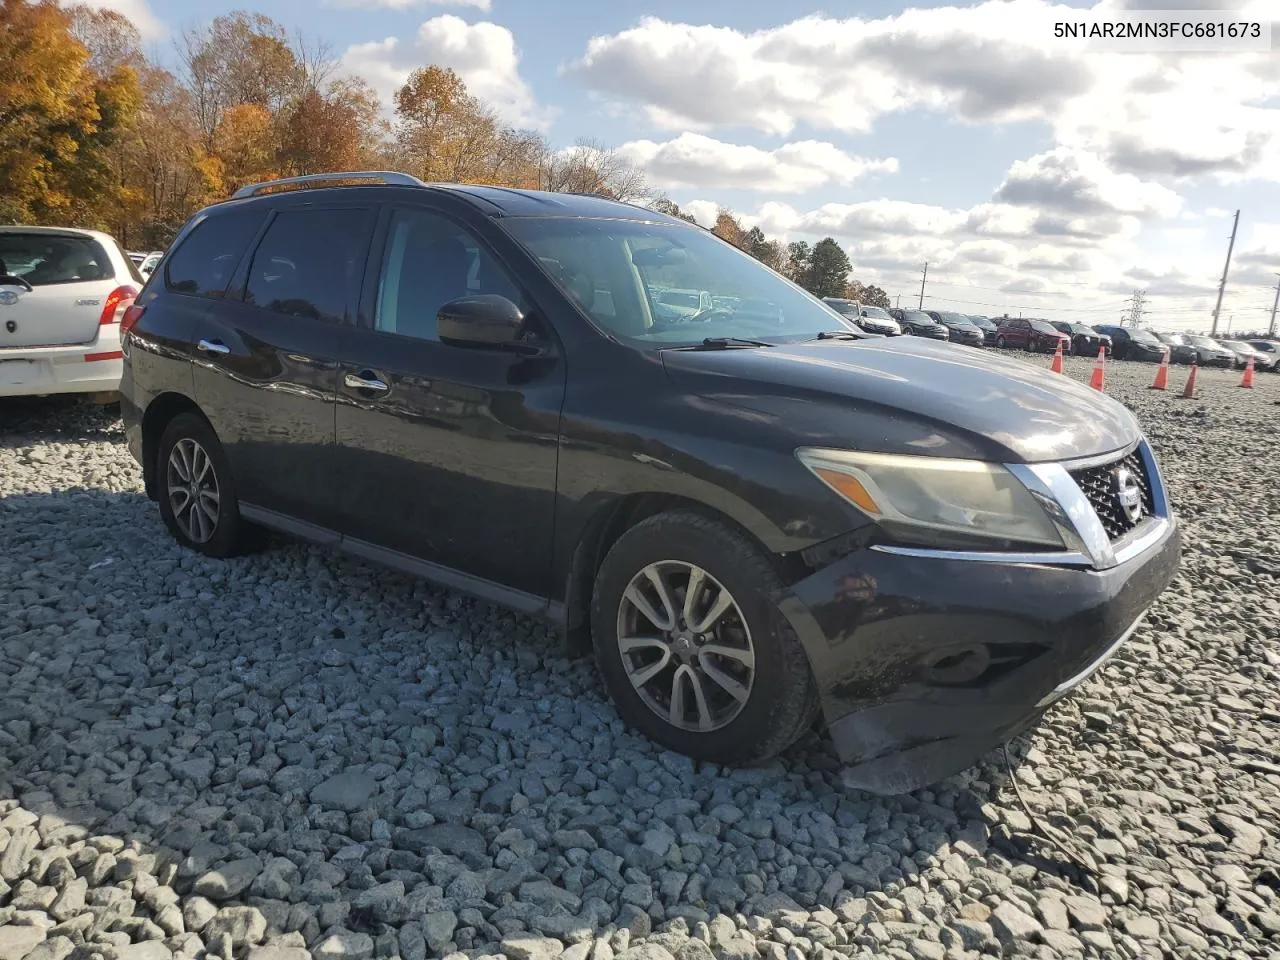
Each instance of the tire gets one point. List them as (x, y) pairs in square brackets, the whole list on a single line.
[(775, 705), (999, 343), (217, 530)]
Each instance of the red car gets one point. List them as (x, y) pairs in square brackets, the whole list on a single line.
[(1033, 335)]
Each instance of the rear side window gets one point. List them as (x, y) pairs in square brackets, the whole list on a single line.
[(45, 259), (307, 262), (203, 265)]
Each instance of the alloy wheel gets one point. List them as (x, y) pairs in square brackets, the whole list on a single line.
[(192, 488), (686, 646)]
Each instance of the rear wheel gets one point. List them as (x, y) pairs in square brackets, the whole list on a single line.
[(692, 647), (197, 496)]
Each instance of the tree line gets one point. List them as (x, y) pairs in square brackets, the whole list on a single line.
[(95, 134)]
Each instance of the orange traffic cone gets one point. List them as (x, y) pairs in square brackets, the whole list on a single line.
[(1162, 375), (1247, 379), (1056, 366), (1190, 390), (1099, 379)]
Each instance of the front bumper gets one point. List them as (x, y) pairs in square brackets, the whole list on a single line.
[(927, 659), (81, 368)]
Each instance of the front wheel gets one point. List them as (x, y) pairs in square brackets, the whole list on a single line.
[(692, 647), (999, 343), (197, 496)]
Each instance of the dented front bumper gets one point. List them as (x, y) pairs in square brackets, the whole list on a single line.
[(925, 663)]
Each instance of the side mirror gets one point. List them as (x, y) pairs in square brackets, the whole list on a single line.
[(487, 320)]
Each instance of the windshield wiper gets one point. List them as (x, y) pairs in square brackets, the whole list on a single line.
[(723, 343), (838, 335)]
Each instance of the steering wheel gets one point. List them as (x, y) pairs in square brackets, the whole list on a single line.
[(9, 280)]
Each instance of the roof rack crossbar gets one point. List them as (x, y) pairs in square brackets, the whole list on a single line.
[(378, 176)]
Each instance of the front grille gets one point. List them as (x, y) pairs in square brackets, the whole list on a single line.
[(1099, 485)]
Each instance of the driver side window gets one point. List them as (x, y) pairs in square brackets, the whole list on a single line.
[(429, 260)]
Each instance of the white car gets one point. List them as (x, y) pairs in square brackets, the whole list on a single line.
[(63, 292)]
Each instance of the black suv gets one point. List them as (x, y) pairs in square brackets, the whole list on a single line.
[(920, 324), (753, 515)]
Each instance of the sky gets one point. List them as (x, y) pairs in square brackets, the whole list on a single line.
[(1035, 176)]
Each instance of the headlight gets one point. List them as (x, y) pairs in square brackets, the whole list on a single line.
[(959, 496)]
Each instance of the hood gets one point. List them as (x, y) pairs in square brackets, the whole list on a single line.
[(929, 397)]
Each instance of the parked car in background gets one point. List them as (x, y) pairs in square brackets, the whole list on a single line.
[(1038, 336), (1209, 352), (926, 547), (1085, 340), (1179, 350), (988, 328), (1272, 349), (959, 329), (920, 324), (63, 292), (1131, 343), (149, 263), (870, 318), (1244, 353)]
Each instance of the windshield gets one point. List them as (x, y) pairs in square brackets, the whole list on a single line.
[(954, 318), (44, 259), (1209, 342), (1143, 336), (876, 313), (1236, 345), (982, 322), (620, 271), (1081, 329), (916, 316), (1044, 326), (1173, 339), (1265, 346)]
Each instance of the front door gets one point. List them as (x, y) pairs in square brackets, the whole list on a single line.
[(448, 454), (266, 370)]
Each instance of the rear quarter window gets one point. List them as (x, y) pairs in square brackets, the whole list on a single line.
[(202, 266)]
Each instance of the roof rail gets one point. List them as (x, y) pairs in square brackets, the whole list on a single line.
[(379, 176)]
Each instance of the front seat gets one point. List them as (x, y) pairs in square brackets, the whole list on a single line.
[(433, 272)]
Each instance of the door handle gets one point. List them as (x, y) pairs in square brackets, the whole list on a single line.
[(365, 381), (213, 346)]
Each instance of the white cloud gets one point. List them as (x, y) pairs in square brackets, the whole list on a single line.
[(482, 5), (483, 54), (994, 62), (1078, 182), (138, 12), (694, 160), (703, 211)]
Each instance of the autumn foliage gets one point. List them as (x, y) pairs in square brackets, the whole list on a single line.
[(93, 134)]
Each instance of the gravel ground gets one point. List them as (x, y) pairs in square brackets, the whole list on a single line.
[(296, 752)]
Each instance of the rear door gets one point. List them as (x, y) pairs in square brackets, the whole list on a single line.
[(267, 356), (53, 287)]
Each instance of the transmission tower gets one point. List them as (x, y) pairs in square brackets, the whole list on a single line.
[(1137, 309)]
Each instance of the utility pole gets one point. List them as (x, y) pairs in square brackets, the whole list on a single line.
[(1222, 286), (897, 302), (923, 276), (1271, 330)]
